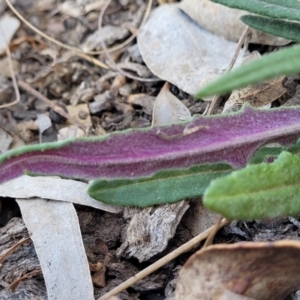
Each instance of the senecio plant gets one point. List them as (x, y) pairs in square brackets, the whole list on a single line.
[(143, 167)]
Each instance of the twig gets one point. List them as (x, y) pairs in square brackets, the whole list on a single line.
[(15, 284), (112, 64), (112, 49), (12, 249), (131, 38), (161, 262), (13, 76), (56, 108), (49, 38), (217, 98)]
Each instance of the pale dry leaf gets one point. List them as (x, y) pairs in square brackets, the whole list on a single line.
[(258, 95), (261, 270), (178, 50), (225, 22), (8, 26), (5, 141), (54, 230), (168, 109), (53, 188)]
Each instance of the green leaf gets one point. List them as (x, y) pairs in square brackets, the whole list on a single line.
[(167, 186), (288, 9), (283, 62), (264, 153), (282, 28), (259, 191)]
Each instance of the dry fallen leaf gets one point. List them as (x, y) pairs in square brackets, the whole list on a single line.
[(224, 21), (66, 190), (168, 109), (8, 26), (257, 95), (267, 270), (180, 51), (55, 232)]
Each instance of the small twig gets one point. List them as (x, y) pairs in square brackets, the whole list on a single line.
[(15, 284), (161, 262), (12, 249), (112, 64), (49, 38), (56, 108), (13, 76), (131, 38), (242, 40), (112, 49)]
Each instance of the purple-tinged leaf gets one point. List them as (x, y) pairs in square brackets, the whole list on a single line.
[(134, 153)]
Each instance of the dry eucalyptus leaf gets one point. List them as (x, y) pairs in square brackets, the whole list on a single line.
[(5, 141), (53, 189), (54, 230), (267, 270), (8, 26), (257, 95), (180, 51), (225, 22), (168, 109)]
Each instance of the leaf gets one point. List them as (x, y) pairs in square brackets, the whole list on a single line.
[(167, 186), (58, 243), (279, 9), (257, 270), (168, 109), (282, 28), (178, 50), (259, 191), (256, 95), (268, 67), (225, 22), (65, 190), (228, 139)]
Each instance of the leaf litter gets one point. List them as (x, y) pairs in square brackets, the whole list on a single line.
[(68, 79)]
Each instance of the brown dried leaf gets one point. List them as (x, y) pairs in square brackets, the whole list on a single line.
[(256, 270), (257, 95)]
